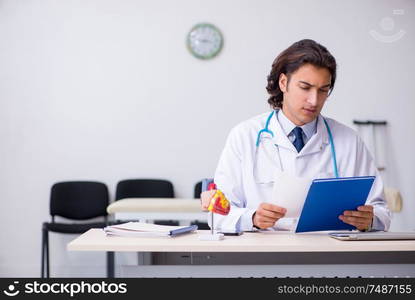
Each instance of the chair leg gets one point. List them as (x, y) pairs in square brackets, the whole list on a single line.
[(42, 259), (47, 252), (110, 264)]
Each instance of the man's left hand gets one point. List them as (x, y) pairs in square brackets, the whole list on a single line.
[(361, 218)]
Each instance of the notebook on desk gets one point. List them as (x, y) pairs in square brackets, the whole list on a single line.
[(372, 236), (140, 229)]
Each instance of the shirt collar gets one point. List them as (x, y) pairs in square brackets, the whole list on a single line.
[(287, 126)]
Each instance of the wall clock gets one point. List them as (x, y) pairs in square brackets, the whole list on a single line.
[(204, 41)]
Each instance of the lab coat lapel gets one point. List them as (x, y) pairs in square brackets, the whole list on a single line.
[(318, 140), (280, 139)]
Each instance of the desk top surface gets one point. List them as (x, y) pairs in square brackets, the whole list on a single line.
[(96, 240), (155, 205)]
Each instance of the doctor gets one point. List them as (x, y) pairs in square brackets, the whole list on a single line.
[(293, 139)]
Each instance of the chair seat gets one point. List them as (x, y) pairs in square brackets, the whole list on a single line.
[(72, 228)]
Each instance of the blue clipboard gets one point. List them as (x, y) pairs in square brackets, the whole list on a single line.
[(327, 199)]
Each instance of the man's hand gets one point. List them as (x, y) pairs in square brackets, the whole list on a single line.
[(361, 218), (267, 214), (205, 198)]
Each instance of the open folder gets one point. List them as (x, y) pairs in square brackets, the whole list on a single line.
[(327, 199), (140, 229)]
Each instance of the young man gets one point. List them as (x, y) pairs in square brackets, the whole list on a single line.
[(293, 139)]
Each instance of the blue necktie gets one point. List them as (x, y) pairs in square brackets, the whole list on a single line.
[(298, 142)]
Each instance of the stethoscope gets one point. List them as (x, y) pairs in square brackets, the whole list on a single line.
[(268, 131)]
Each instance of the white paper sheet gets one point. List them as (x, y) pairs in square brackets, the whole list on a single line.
[(290, 192)]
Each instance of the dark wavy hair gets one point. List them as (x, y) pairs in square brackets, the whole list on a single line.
[(291, 59)]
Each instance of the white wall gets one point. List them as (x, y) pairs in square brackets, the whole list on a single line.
[(106, 90)]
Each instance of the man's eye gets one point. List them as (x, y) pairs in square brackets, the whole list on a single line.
[(304, 88), (324, 91)]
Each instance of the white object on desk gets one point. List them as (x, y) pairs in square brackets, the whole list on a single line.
[(157, 209), (372, 236), (211, 237), (140, 229)]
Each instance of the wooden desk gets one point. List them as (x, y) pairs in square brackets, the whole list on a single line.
[(312, 254), (157, 209)]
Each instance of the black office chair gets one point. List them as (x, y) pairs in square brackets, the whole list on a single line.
[(196, 195), (76, 200), (197, 190), (146, 188)]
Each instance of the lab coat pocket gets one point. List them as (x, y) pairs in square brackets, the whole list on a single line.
[(264, 176), (265, 165), (325, 174)]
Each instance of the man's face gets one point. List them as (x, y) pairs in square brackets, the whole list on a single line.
[(305, 93)]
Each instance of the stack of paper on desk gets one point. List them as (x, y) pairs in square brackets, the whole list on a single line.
[(137, 229)]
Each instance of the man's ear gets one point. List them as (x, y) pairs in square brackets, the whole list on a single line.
[(283, 82)]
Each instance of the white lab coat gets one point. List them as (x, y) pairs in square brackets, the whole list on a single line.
[(235, 171)]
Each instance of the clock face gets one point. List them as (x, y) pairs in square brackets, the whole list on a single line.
[(204, 41)]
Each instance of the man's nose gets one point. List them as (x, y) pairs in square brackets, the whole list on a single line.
[(312, 98)]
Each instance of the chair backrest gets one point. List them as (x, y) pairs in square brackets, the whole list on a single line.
[(198, 190), (79, 200), (144, 188)]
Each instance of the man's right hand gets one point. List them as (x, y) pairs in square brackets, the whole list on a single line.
[(267, 214)]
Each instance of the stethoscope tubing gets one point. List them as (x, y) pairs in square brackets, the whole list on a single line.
[(332, 148)]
